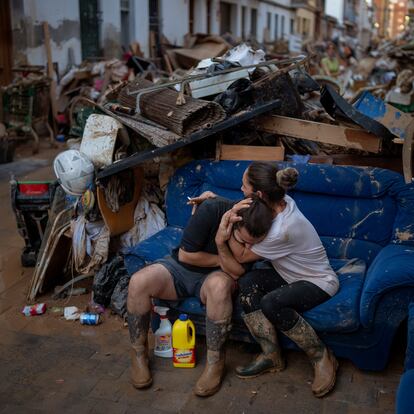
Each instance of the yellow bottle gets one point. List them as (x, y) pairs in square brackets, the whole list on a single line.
[(183, 341)]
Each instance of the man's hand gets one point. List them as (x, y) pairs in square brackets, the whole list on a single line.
[(226, 226), (195, 201)]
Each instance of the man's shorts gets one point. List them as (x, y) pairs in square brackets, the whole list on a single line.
[(186, 282)]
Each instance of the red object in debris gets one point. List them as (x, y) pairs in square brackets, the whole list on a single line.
[(31, 188), (32, 310)]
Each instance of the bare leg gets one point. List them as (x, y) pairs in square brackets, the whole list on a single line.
[(153, 281), (216, 294)]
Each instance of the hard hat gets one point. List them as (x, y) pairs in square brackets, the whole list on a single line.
[(75, 171)]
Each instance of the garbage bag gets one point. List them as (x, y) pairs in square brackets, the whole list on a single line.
[(236, 97), (106, 279), (120, 294)]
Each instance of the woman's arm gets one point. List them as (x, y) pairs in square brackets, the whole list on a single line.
[(241, 253)]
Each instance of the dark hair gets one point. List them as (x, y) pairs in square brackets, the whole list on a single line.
[(273, 183), (257, 219)]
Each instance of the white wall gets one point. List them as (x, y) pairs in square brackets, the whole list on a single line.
[(175, 20), (64, 29), (140, 27), (335, 8), (111, 27), (200, 16)]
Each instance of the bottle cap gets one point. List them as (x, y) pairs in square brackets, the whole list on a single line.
[(183, 317)]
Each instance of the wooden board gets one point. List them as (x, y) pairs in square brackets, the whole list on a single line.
[(251, 153), (319, 132)]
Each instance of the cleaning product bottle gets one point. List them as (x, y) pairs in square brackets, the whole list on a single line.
[(183, 342), (163, 347)]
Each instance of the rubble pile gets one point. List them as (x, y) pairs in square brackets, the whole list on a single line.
[(131, 123)]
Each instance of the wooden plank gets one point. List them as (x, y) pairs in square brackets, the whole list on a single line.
[(50, 73), (251, 153), (316, 131)]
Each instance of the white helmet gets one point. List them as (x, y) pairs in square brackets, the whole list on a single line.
[(75, 171)]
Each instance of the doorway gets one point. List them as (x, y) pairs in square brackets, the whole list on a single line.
[(89, 25), (5, 43)]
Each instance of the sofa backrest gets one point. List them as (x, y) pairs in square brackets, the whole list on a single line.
[(355, 210)]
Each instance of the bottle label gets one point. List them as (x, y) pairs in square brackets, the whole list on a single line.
[(183, 356), (163, 343)]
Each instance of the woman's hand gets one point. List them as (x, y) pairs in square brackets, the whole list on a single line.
[(226, 226), (195, 201), (245, 203)]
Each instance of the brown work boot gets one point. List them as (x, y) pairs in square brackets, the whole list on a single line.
[(270, 360), (325, 373), (138, 330), (210, 381), (323, 360)]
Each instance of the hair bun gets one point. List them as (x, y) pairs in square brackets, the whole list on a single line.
[(287, 178)]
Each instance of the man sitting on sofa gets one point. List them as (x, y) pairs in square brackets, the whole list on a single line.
[(203, 266)]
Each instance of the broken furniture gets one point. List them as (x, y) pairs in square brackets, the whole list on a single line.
[(26, 105), (405, 397), (398, 122), (364, 217)]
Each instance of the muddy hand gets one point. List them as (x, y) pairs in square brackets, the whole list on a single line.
[(225, 228)]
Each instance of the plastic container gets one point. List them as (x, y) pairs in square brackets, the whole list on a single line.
[(163, 344), (184, 342)]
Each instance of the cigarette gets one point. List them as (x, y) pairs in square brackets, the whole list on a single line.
[(189, 198)]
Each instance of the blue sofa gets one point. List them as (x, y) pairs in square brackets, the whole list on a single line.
[(405, 396), (365, 218)]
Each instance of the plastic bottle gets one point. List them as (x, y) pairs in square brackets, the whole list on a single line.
[(163, 346), (183, 342)]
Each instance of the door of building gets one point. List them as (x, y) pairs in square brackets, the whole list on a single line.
[(5, 43), (89, 25)]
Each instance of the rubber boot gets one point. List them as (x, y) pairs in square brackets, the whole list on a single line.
[(216, 334), (270, 360), (323, 360), (138, 326)]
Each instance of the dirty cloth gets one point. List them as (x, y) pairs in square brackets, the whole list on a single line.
[(296, 251), (279, 301), (90, 244), (148, 220)]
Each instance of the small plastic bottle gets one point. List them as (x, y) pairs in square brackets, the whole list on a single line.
[(163, 343)]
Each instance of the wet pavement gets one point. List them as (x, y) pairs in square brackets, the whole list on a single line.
[(50, 365)]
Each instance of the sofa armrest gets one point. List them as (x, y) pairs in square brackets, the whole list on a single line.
[(393, 268)]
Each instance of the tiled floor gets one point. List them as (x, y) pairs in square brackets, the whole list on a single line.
[(49, 365)]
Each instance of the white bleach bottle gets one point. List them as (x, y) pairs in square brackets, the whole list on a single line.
[(163, 343)]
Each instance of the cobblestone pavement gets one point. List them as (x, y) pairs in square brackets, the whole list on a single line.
[(49, 365)]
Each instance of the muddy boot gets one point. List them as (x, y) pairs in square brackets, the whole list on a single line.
[(138, 331), (216, 334), (323, 360), (270, 360)]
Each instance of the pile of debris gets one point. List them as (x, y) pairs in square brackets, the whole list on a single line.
[(133, 124)]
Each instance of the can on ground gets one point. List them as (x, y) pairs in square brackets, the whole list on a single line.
[(89, 319)]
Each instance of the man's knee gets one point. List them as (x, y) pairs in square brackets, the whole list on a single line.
[(219, 287), (142, 280)]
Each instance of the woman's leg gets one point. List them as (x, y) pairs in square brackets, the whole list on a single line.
[(281, 307), (253, 286), (256, 284)]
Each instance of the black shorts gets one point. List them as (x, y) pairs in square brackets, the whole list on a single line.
[(186, 282)]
